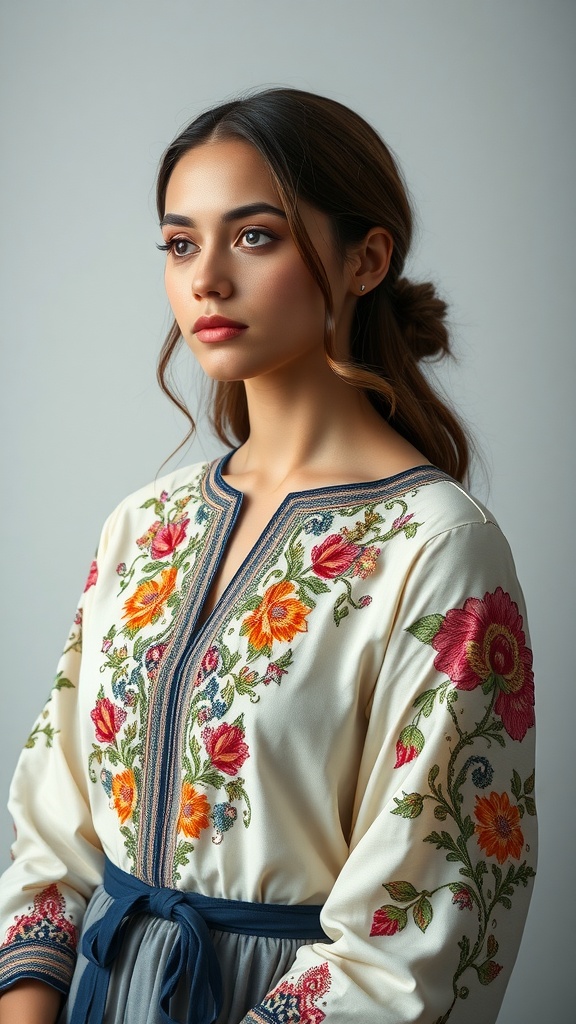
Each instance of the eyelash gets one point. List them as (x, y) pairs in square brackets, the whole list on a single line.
[(170, 246)]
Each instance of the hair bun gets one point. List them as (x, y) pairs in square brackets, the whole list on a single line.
[(421, 315)]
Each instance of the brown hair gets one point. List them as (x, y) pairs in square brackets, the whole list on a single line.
[(322, 152)]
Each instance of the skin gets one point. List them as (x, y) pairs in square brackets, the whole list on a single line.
[(308, 428), (29, 1002)]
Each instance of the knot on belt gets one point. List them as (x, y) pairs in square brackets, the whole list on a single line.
[(193, 953)]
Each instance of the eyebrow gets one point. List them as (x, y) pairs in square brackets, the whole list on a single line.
[(250, 210)]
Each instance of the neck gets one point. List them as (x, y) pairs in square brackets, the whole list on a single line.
[(306, 427)]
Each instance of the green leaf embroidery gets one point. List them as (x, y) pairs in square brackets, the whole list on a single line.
[(423, 913), (425, 629), (402, 892)]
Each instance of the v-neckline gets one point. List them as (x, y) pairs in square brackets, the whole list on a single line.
[(216, 489)]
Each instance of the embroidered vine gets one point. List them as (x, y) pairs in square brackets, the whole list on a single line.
[(482, 645)]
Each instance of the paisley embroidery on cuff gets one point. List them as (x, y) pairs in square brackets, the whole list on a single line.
[(294, 1002), (45, 922), (481, 645)]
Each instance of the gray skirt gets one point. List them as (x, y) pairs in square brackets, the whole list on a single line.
[(250, 966)]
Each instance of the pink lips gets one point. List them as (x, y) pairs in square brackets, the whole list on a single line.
[(217, 328)]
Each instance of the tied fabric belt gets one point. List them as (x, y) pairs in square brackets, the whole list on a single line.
[(193, 953)]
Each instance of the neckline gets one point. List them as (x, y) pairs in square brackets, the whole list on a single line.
[(219, 465)]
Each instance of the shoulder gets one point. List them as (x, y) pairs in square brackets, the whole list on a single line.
[(453, 538), (430, 503)]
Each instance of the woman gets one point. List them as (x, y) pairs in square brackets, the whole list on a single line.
[(293, 723)]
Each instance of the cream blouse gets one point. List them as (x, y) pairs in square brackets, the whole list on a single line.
[(352, 725)]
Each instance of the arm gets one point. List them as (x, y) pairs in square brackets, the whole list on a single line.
[(29, 1002), (57, 855), (427, 913)]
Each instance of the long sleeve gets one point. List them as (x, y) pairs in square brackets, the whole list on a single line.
[(57, 860), (426, 915)]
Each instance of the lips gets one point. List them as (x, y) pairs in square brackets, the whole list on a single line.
[(209, 322), (217, 328)]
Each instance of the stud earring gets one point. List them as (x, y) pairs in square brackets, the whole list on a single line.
[(362, 287)]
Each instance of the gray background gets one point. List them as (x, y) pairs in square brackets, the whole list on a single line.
[(478, 101)]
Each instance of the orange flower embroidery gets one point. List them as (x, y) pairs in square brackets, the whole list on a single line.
[(277, 617), (498, 829), (148, 600), (124, 794), (194, 811)]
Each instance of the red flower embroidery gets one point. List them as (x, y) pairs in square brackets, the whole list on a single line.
[(225, 747), (462, 899), (167, 539), (410, 744), (108, 719), (484, 643), (333, 556), (388, 921), (92, 576)]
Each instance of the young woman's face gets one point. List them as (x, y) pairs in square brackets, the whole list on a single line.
[(241, 294)]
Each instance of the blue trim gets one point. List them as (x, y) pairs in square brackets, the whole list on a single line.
[(159, 791), (193, 954)]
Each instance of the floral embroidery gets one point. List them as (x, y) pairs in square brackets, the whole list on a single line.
[(92, 576), (124, 793), (279, 616), (334, 556), (225, 747), (272, 614), (482, 645), (194, 811), (45, 922), (294, 1002), (108, 719), (146, 604), (167, 539), (498, 830)]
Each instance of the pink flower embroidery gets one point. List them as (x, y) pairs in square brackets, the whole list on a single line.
[(333, 556), (92, 576), (108, 719), (167, 539), (402, 521), (484, 643)]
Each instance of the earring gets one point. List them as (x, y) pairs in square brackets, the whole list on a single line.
[(362, 287)]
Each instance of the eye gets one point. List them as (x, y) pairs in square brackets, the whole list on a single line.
[(254, 238), (179, 247)]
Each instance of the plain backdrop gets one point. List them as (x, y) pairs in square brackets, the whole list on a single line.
[(477, 100)]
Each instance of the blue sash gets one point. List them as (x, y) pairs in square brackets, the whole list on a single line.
[(193, 953)]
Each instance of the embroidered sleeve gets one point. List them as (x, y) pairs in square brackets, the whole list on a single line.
[(427, 913), (56, 855)]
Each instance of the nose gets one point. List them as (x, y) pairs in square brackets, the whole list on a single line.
[(210, 276)]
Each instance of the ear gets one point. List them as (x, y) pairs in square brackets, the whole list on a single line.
[(370, 260)]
